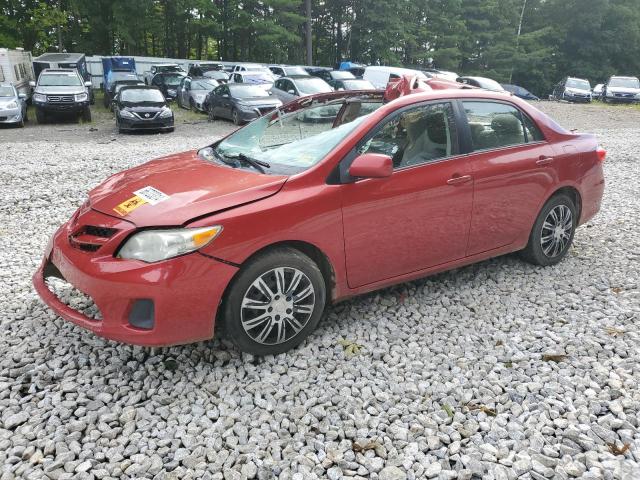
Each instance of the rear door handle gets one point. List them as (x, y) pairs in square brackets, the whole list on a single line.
[(459, 179), (542, 161)]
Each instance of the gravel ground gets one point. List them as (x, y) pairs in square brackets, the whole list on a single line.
[(500, 370)]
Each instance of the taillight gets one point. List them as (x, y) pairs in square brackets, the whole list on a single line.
[(602, 154)]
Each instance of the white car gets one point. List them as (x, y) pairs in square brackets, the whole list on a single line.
[(596, 92), (481, 82), (259, 78), (380, 76)]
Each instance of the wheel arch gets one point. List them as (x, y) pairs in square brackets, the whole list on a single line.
[(306, 248), (573, 193)]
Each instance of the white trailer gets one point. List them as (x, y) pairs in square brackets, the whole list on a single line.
[(16, 68)]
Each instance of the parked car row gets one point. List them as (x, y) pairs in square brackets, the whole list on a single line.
[(617, 89)]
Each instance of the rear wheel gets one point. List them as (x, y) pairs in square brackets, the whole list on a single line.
[(552, 234), (192, 105), (275, 302)]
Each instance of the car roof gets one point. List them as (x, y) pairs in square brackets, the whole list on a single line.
[(296, 77), (621, 76), (59, 57), (577, 78), (59, 70), (165, 65)]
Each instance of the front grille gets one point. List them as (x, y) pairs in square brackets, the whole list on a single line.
[(142, 115), (89, 238), (2, 119), (60, 98), (74, 298)]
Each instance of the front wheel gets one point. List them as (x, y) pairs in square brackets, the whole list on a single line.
[(552, 234), (275, 302), (86, 114), (40, 116)]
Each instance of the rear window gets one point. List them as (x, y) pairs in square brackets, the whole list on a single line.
[(495, 125)]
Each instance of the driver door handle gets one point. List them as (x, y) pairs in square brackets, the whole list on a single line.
[(459, 179)]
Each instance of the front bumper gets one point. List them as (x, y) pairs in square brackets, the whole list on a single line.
[(186, 291), (73, 107), (248, 114), (12, 115), (147, 124), (617, 99), (571, 97)]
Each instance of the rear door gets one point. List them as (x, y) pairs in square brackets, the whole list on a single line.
[(419, 217), (512, 168)]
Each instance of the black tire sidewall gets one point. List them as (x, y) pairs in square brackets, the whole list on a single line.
[(533, 252), (235, 116), (285, 257)]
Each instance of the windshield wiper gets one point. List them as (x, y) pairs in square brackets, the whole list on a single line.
[(254, 162)]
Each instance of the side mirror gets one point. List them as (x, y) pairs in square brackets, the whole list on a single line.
[(371, 165), (32, 83), (291, 92), (22, 96), (225, 95), (88, 84)]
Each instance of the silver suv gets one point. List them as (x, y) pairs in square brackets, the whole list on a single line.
[(61, 91)]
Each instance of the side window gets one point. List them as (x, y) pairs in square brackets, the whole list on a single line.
[(531, 130), (187, 83), (278, 84), (494, 125), (1, 74), (17, 72), (418, 135), (393, 76)]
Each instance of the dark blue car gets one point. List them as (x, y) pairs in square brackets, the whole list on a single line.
[(519, 92)]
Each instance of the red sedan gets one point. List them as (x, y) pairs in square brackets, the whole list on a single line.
[(328, 197)]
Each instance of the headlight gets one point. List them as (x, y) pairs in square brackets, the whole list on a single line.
[(126, 114), (156, 245), (39, 97), (165, 112), (171, 91), (10, 105), (80, 97)]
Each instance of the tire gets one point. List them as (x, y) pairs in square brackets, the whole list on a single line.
[(285, 328), (212, 117), (86, 114), (192, 106), (235, 116), (20, 124), (551, 251), (26, 115), (41, 117), (179, 102)]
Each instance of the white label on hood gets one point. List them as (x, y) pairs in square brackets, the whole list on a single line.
[(151, 195)]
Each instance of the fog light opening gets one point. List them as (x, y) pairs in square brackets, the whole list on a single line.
[(142, 314)]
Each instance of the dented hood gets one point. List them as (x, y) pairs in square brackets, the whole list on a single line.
[(192, 188)]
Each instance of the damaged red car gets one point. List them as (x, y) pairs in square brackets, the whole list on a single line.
[(331, 196)]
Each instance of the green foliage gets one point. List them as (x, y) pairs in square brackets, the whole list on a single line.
[(585, 38)]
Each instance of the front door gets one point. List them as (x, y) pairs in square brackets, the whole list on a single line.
[(419, 217)]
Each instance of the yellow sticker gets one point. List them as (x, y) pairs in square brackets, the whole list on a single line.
[(130, 205)]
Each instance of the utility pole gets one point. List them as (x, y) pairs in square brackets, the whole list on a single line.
[(307, 7), (524, 6), (59, 29)]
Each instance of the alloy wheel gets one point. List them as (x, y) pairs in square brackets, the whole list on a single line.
[(556, 231), (277, 305)]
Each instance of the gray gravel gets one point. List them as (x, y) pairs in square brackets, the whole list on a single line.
[(498, 371)]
